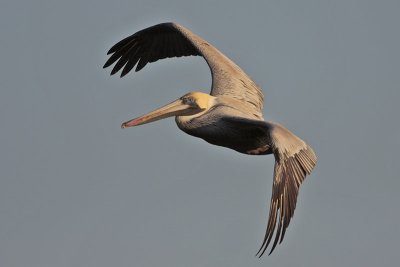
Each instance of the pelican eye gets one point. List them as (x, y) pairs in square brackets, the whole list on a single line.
[(188, 100)]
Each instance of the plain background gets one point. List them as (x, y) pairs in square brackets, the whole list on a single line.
[(76, 190)]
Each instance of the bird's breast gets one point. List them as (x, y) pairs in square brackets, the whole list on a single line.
[(216, 131)]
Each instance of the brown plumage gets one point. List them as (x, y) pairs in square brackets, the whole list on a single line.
[(230, 116)]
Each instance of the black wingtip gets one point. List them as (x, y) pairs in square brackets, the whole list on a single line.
[(109, 62), (261, 251), (271, 251), (114, 70), (114, 47)]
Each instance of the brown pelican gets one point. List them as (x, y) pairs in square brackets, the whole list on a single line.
[(230, 116)]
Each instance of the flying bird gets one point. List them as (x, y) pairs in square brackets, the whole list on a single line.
[(230, 116)]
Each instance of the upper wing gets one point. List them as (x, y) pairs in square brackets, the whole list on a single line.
[(173, 40), (294, 160)]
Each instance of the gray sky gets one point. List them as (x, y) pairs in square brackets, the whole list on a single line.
[(76, 190)]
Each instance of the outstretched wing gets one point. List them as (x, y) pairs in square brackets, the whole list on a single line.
[(168, 40), (294, 160)]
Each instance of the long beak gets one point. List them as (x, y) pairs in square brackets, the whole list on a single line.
[(175, 108)]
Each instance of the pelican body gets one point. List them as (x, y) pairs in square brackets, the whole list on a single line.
[(230, 116)]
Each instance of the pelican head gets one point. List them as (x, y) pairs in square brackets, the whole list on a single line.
[(188, 105)]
